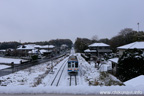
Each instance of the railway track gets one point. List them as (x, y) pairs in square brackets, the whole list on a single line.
[(56, 80), (73, 80)]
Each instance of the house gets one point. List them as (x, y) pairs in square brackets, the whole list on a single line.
[(2, 52), (47, 47), (98, 49), (31, 49), (114, 62), (63, 47), (134, 45), (24, 50), (47, 50)]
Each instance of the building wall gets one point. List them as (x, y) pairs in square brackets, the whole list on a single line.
[(121, 52), (114, 67), (101, 50)]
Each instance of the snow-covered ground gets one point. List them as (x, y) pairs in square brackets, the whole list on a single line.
[(4, 66), (38, 79), (10, 60), (27, 77)]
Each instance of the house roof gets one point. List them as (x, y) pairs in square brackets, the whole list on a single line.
[(45, 51), (137, 45), (26, 47), (34, 51), (98, 45), (115, 60), (2, 50), (136, 81), (48, 46), (33, 46), (64, 45), (88, 50)]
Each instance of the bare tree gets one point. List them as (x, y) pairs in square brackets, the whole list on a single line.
[(125, 31), (95, 37)]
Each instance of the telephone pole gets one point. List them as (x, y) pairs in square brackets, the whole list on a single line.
[(138, 26)]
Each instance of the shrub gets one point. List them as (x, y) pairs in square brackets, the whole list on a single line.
[(130, 64)]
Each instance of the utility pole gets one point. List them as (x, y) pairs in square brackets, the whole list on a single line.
[(138, 26), (51, 65)]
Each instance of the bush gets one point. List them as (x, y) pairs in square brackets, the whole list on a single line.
[(130, 65), (34, 57)]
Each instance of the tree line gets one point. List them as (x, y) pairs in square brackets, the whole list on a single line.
[(130, 64), (6, 45), (55, 42), (125, 36)]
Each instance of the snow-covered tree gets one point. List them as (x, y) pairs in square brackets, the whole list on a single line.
[(131, 64)]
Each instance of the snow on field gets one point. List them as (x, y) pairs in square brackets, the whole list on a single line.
[(27, 77), (4, 66), (80, 89), (10, 60), (89, 80)]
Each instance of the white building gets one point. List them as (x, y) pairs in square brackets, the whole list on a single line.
[(63, 46), (134, 45)]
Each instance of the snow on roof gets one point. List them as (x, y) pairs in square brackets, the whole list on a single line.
[(2, 50), (88, 50), (115, 60), (37, 46), (26, 47), (98, 44), (136, 81), (48, 46), (4, 66), (44, 51), (137, 45), (33, 51), (33, 46), (10, 60), (64, 45)]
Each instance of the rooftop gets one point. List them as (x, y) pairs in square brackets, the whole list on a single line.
[(137, 45), (98, 45), (115, 60), (33, 46), (88, 50)]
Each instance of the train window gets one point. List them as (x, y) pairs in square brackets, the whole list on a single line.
[(69, 64), (73, 65), (76, 64)]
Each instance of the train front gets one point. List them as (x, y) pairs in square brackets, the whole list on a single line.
[(73, 65)]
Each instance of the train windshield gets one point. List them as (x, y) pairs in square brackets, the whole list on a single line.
[(76, 64)]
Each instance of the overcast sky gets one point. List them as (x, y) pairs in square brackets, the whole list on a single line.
[(43, 20)]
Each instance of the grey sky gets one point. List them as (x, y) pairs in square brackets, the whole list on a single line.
[(43, 20)]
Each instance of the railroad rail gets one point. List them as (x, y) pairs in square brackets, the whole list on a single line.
[(59, 73), (71, 79)]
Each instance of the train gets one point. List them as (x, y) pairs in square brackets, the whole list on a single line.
[(73, 65)]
